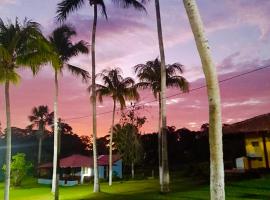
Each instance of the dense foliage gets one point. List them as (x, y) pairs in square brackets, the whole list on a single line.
[(19, 169), (186, 148)]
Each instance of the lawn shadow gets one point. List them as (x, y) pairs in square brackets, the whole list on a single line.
[(265, 187), (255, 196), (148, 193), (142, 196)]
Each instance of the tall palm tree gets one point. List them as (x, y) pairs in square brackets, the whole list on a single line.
[(150, 76), (40, 118), (119, 89), (215, 121), (64, 49), (21, 45), (65, 7), (163, 172)]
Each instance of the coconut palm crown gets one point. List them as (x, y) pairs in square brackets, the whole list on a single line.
[(116, 86), (66, 7), (40, 118), (21, 45), (65, 49), (150, 77)]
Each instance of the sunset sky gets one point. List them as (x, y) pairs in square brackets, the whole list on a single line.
[(238, 32)]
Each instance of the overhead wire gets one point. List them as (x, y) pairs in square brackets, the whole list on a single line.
[(173, 95)]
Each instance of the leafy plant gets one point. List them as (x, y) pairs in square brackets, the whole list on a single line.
[(19, 168)]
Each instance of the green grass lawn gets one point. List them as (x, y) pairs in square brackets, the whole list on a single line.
[(143, 190)]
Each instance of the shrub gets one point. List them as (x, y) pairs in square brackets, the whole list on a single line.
[(19, 168), (197, 170)]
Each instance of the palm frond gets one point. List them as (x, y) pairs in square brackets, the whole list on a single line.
[(130, 3), (128, 82), (122, 101), (65, 7), (178, 82), (3, 27), (143, 85), (175, 69), (9, 75), (79, 72), (102, 6), (102, 91), (76, 49), (4, 54), (132, 93)]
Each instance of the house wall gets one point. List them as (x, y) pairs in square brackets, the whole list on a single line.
[(117, 170), (101, 171), (255, 148), (85, 172), (61, 182)]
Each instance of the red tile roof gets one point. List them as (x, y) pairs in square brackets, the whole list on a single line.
[(254, 124), (104, 159), (77, 160)]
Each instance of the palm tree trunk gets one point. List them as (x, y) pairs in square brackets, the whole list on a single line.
[(56, 195), (41, 133), (164, 187), (159, 141), (132, 170), (39, 149), (94, 99), (111, 137), (8, 145), (55, 138), (215, 122)]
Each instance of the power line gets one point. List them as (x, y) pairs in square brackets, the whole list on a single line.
[(176, 94)]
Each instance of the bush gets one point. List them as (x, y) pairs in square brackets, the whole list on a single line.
[(197, 170), (19, 168)]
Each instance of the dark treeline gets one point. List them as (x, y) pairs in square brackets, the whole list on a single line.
[(187, 149), (26, 141)]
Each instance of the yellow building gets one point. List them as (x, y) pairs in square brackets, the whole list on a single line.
[(256, 133)]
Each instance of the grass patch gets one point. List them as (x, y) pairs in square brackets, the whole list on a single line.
[(184, 188)]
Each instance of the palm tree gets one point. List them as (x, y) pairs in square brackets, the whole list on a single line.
[(40, 118), (64, 49), (150, 76), (21, 45), (119, 89), (65, 7), (215, 121), (163, 163)]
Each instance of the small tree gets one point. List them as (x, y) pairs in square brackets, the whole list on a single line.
[(127, 137), (19, 168), (127, 142)]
